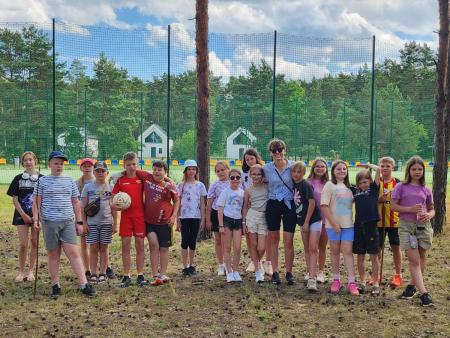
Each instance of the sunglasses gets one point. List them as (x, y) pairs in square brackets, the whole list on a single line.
[(100, 171), (276, 150), (233, 178)]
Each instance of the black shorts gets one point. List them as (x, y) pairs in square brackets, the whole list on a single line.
[(231, 223), (392, 233), (366, 239), (163, 233), (276, 211), (215, 220)]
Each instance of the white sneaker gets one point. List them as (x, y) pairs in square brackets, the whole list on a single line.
[(237, 276), (221, 270), (165, 278), (306, 277), (259, 276), (250, 267), (321, 277), (312, 285), (230, 277)]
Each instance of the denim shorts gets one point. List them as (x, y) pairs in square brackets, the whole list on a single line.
[(346, 234)]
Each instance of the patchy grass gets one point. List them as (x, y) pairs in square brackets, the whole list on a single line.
[(207, 306)]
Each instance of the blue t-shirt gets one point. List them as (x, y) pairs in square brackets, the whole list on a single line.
[(366, 204)]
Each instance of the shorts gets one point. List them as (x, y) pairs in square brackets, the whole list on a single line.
[(231, 223), (56, 232), (99, 234), (346, 234), (424, 234), (316, 226), (132, 226), (215, 220), (277, 210), (163, 233), (392, 234), (189, 232), (256, 222), (366, 239)]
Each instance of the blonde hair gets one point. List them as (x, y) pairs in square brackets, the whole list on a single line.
[(387, 159), (22, 157), (130, 156), (256, 167), (223, 163), (299, 165), (363, 174)]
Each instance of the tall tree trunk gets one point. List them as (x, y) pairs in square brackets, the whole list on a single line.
[(441, 116)]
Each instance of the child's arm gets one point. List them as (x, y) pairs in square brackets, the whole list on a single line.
[(395, 206), (84, 202), (325, 209), (373, 167), (176, 206), (309, 212), (202, 212), (245, 208), (27, 219), (78, 218), (208, 214), (114, 216), (37, 199), (220, 216)]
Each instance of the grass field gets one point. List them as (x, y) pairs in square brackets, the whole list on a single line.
[(206, 306)]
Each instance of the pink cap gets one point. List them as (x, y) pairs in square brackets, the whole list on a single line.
[(86, 160)]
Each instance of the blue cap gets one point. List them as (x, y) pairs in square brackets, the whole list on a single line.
[(57, 154), (190, 163)]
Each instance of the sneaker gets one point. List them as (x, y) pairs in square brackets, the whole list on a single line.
[(371, 280), (88, 290), (88, 274), (30, 277), (276, 278), (321, 277), (93, 279), (237, 276), (259, 276), (426, 300), (290, 280), (376, 290), (56, 291), (192, 270), (335, 286), (110, 273), (396, 281), (141, 281), (165, 278), (268, 268), (20, 277), (185, 272), (221, 270), (312, 285), (101, 278), (361, 288), (230, 277), (409, 292), (157, 281), (250, 267), (306, 278), (352, 289), (126, 282)]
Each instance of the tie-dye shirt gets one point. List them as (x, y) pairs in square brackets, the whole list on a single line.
[(339, 199)]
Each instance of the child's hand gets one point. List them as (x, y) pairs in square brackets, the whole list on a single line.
[(305, 227), (202, 224), (80, 229), (209, 225), (245, 229), (178, 225), (382, 198), (221, 229), (27, 219), (416, 208), (85, 228), (425, 217), (337, 228), (36, 224), (173, 220), (363, 165), (114, 228)]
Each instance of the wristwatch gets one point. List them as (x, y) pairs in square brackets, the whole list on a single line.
[(80, 223)]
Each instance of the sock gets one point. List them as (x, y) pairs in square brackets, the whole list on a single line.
[(336, 276), (351, 279), (82, 286), (140, 274), (57, 283)]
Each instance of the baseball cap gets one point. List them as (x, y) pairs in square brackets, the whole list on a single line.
[(86, 160), (57, 154), (100, 165), (190, 163)]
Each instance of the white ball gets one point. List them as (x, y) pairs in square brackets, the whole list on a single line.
[(122, 200)]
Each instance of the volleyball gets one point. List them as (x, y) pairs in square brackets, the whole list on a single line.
[(121, 200)]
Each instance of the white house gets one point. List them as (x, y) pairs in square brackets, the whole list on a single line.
[(91, 142), (240, 140), (154, 142)]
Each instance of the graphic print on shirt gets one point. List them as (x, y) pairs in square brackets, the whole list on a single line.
[(298, 202), (344, 200)]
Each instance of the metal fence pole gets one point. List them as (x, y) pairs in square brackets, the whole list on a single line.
[(372, 102), (85, 122), (392, 120), (344, 132), (168, 99), (142, 127), (274, 80), (54, 83), (27, 120), (296, 129)]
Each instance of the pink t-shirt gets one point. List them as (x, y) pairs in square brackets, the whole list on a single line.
[(409, 195), (318, 187)]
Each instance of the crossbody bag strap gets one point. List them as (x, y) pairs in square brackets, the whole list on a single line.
[(281, 178)]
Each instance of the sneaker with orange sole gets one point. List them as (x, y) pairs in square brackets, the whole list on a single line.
[(371, 280), (396, 281), (157, 280)]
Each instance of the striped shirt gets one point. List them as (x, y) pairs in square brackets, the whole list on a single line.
[(388, 218), (57, 193), (280, 184)]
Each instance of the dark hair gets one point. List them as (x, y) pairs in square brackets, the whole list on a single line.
[(196, 173), (160, 164), (363, 174), (414, 160), (333, 177), (234, 170), (250, 152), (312, 175), (276, 143)]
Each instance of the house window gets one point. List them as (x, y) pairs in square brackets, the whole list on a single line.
[(153, 138), (160, 150)]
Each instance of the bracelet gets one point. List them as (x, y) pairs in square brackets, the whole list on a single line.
[(79, 222)]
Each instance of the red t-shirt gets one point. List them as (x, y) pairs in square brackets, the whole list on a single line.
[(158, 199), (132, 186)]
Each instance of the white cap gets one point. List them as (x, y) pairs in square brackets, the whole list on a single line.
[(190, 163)]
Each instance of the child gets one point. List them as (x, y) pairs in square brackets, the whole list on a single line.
[(161, 206), (212, 221), (366, 237), (308, 217), (191, 219), (131, 220), (102, 225), (414, 203), (21, 190), (336, 206), (56, 208), (318, 176), (388, 223), (230, 204), (253, 213)]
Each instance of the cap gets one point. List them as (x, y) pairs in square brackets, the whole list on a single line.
[(86, 160), (190, 163), (100, 165), (57, 154)]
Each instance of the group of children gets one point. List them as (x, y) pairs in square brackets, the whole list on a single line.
[(234, 205)]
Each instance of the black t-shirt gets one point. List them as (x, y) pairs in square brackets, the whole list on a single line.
[(366, 204), (22, 186), (303, 192)]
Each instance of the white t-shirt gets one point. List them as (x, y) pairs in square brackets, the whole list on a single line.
[(339, 199), (215, 190), (231, 201), (191, 196), (246, 180)]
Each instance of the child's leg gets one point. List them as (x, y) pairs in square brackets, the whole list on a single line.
[(375, 268), (288, 241), (273, 241), (154, 252), (218, 246), (126, 258), (415, 269), (103, 258), (84, 252), (346, 248), (252, 245), (226, 243), (237, 236), (22, 231), (322, 249), (335, 251), (184, 242), (362, 268), (72, 253), (261, 246), (193, 234), (164, 259), (33, 249), (93, 257), (314, 237), (139, 244), (305, 240), (54, 257), (423, 259), (397, 256)]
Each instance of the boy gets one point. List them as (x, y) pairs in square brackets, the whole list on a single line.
[(101, 225), (131, 220), (161, 205), (56, 205), (388, 223)]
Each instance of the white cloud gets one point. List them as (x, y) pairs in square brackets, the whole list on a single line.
[(180, 37)]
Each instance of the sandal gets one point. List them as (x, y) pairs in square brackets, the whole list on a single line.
[(101, 278), (93, 279), (376, 290)]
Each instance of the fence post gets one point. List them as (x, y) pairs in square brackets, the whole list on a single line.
[(296, 129), (26, 119), (168, 99), (54, 83), (372, 102), (344, 132), (274, 80), (142, 127), (46, 123), (392, 120), (85, 122)]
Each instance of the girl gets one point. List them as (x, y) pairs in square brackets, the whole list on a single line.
[(212, 221), (414, 203), (308, 217), (366, 236), (191, 217), (318, 176), (336, 206), (253, 213), (230, 204), (21, 190)]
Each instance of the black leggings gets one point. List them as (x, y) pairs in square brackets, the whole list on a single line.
[(189, 232)]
